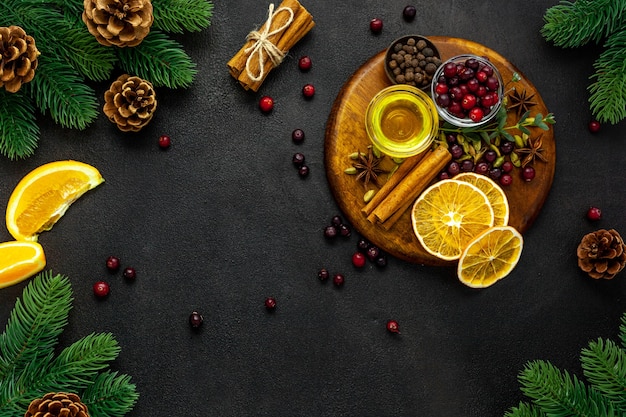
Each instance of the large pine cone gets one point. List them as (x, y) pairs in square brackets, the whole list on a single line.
[(130, 103), (18, 58), (118, 22), (602, 254), (57, 404)]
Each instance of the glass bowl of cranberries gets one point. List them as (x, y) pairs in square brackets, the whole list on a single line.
[(467, 90)]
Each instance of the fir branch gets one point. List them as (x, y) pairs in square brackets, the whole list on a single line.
[(59, 89), (572, 24), (622, 331), (525, 410), (35, 323), (110, 395), (176, 16), (558, 393), (160, 60), (19, 132), (604, 366), (608, 92)]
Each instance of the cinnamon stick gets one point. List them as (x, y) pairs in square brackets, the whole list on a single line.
[(411, 186), (283, 40), (405, 167)]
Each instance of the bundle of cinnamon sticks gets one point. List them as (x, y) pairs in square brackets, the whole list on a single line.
[(266, 46), (402, 189)]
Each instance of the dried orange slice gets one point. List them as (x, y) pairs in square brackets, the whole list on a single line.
[(491, 256), (494, 193), (448, 215), (20, 260), (41, 198)]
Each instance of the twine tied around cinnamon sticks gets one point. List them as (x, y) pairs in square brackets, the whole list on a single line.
[(265, 48), (263, 44)]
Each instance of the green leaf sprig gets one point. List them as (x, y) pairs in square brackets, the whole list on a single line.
[(29, 368)]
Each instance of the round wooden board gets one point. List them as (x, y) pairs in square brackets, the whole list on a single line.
[(345, 134)]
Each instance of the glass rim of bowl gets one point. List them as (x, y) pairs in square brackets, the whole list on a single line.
[(467, 122), (421, 95)]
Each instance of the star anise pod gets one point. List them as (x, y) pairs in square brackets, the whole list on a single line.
[(521, 102), (368, 167), (533, 151)]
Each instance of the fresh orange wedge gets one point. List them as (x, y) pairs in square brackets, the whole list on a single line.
[(41, 198), (20, 260), (491, 256), (448, 215)]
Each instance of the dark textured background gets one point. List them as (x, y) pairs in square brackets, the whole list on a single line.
[(221, 220)]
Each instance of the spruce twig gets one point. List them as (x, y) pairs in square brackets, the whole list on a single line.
[(19, 132)]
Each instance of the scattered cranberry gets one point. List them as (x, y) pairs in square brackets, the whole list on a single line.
[(297, 136), (195, 320), (266, 104), (330, 232), (376, 25), (358, 260), (594, 213), (381, 261), (323, 274), (164, 141), (372, 253), (298, 159), (338, 280), (308, 91), (304, 63), (392, 326), (129, 273), (507, 166), (505, 179), (113, 263), (344, 230), (101, 289), (303, 171), (336, 221), (528, 173), (594, 126), (409, 13), (362, 245), (270, 303)]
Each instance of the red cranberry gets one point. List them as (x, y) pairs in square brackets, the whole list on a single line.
[(507, 166), (376, 25), (594, 213), (344, 230), (441, 88), (372, 253), (409, 13), (164, 141), (468, 102), (323, 274), (330, 232), (336, 220), (266, 104), (304, 63), (528, 173), (476, 114), (270, 303), (358, 260), (303, 171), (594, 126), (381, 261), (308, 91), (338, 280), (113, 263), (392, 326), (101, 289), (298, 159), (195, 320), (362, 245), (297, 136), (505, 179), (129, 273)]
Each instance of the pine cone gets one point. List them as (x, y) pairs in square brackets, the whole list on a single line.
[(18, 58), (602, 254), (118, 22), (57, 404), (130, 103)]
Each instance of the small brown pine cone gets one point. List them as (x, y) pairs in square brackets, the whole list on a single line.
[(602, 254), (130, 103), (118, 22), (18, 58), (57, 404)]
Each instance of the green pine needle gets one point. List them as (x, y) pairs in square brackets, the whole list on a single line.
[(19, 132), (604, 366), (29, 369), (525, 410), (608, 93), (160, 60), (572, 24), (177, 16)]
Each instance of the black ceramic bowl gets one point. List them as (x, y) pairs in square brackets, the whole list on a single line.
[(412, 60)]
